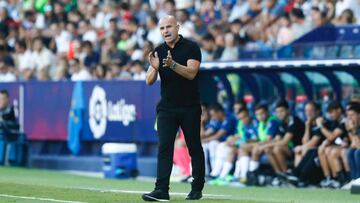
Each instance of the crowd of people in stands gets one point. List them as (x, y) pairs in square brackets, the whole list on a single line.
[(110, 39), (280, 148)]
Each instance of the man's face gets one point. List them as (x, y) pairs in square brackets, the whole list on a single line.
[(244, 117), (4, 101), (310, 112), (169, 29), (335, 114), (261, 115), (353, 116), (281, 113), (208, 45)]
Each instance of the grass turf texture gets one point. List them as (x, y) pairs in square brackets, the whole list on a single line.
[(61, 186)]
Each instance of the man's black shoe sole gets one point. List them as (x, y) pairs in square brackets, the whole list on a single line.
[(149, 198)]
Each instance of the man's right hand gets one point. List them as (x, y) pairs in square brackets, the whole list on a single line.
[(154, 60)]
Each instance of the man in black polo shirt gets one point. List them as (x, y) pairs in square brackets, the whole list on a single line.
[(177, 61), (289, 136)]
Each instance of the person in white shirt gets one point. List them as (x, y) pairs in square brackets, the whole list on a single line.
[(88, 33), (5, 74), (78, 71), (41, 57), (137, 70), (187, 27), (153, 34), (62, 38), (231, 51), (23, 59)]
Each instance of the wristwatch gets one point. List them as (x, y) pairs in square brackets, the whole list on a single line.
[(173, 65)]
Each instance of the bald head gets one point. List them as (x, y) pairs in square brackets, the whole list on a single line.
[(168, 19), (169, 29)]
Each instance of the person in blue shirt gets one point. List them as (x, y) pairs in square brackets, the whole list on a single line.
[(208, 128), (214, 138), (246, 134)]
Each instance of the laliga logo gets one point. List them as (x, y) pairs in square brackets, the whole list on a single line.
[(101, 111), (98, 112)]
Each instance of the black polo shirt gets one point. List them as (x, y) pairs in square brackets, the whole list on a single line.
[(294, 126), (339, 124), (316, 132), (176, 90)]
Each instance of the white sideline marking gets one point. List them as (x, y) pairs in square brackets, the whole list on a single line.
[(38, 198), (142, 192)]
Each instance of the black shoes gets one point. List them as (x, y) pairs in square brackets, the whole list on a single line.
[(160, 196), (194, 195), (156, 196)]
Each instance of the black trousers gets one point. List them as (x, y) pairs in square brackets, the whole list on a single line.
[(168, 122), (308, 170)]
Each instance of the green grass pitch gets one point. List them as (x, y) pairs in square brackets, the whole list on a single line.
[(32, 185)]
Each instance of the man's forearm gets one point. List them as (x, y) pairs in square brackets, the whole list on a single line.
[(151, 75), (185, 71)]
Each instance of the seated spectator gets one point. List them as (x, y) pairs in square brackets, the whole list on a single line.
[(100, 72), (334, 132), (124, 73), (153, 31), (137, 70), (214, 138), (209, 12), (290, 134), (186, 26), (284, 34), (341, 6), (90, 58), (312, 136), (346, 17), (239, 31), (267, 129), (62, 38), (23, 59), (110, 54), (88, 33), (201, 28), (338, 159), (41, 58), (5, 74), (240, 144), (299, 25), (210, 51), (78, 71), (231, 50), (353, 128), (318, 18), (8, 124)]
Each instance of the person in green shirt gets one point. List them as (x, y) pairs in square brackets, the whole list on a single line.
[(267, 128)]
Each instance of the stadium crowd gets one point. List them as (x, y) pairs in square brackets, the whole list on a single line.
[(110, 39), (279, 148)]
